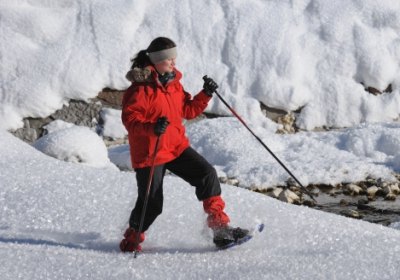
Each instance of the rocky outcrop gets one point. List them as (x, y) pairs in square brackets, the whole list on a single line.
[(375, 91), (110, 98), (77, 112), (370, 200)]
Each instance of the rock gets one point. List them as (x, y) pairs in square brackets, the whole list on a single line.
[(290, 182), (381, 183), (28, 133), (390, 196), (288, 123), (375, 91), (272, 113), (229, 181), (289, 197), (232, 181), (223, 180), (371, 191), (77, 112), (366, 207), (116, 142), (298, 191), (395, 188), (309, 203), (353, 189), (336, 191), (333, 194), (111, 98), (351, 214), (275, 192), (392, 188)]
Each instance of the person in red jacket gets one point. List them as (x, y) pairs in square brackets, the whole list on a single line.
[(154, 106)]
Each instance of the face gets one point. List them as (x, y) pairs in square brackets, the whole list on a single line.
[(165, 66)]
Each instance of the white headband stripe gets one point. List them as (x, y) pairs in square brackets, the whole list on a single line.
[(157, 57)]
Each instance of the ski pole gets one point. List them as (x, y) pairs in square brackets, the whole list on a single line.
[(262, 143), (146, 199)]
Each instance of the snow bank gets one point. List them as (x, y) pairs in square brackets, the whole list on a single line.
[(74, 144), (334, 157), (312, 55), (311, 157)]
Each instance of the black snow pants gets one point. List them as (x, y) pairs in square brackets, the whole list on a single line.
[(191, 167)]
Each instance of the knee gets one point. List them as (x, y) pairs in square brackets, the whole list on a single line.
[(211, 170), (212, 177)]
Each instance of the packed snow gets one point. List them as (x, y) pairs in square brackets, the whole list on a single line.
[(64, 204), (64, 220)]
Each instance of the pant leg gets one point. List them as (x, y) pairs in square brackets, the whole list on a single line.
[(155, 200), (196, 170)]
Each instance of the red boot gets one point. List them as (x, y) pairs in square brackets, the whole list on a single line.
[(132, 241), (214, 207)]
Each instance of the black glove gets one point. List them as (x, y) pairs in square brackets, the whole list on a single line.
[(209, 86), (161, 126)]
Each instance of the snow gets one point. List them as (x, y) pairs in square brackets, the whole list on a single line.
[(120, 156), (113, 126), (304, 54), (333, 157), (64, 220), (74, 144), (63, 210), (57, 125)]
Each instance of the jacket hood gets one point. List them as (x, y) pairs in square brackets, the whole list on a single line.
[(147, 74), (140, 75)]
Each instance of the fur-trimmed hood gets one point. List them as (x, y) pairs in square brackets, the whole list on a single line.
[(149, 75), (140, 75)]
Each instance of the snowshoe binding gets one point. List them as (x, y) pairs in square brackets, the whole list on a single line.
[(227, 236)]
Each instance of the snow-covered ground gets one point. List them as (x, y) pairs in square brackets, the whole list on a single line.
[(64, 220)]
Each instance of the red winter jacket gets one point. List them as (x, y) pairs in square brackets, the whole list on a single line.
[(144, 102)]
